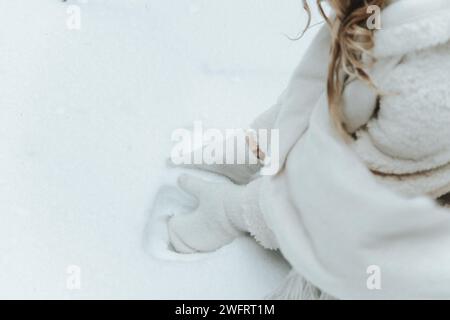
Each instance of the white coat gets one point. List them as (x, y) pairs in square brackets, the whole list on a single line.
[(339, 211)]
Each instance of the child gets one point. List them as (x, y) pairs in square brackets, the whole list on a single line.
[(364, 145)]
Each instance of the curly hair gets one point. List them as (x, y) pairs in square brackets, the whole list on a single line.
[(351, 39)]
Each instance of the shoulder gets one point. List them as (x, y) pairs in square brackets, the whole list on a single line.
[(411, 25)]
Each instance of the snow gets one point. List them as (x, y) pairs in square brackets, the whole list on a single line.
[(85, 123)]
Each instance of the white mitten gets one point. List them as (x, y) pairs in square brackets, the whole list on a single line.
[(236, 162), (209, 227), (225, 212)]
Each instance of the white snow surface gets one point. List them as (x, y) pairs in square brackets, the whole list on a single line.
[(86, 118)]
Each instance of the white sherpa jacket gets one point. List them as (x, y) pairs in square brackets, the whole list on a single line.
[(338, 209)]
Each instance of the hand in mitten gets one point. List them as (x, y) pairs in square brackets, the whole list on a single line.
[(241, 169), (216, 221)]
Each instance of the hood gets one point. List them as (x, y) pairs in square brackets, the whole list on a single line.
[(410, 25)]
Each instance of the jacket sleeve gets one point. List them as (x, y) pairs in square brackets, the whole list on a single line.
[(312, 68)]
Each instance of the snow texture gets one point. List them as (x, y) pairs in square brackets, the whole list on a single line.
[(86, 118)]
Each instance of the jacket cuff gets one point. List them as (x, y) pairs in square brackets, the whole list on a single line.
[(254, 218)]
